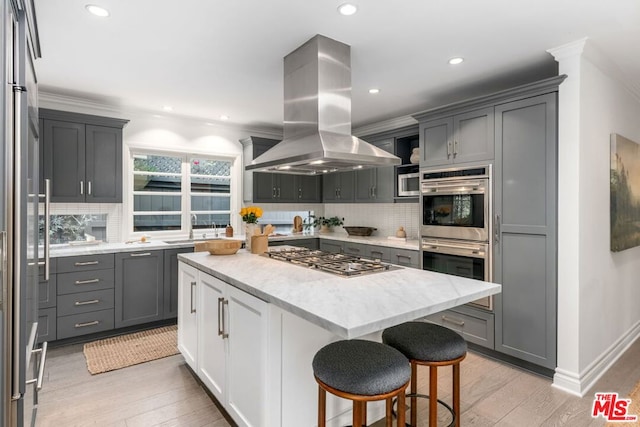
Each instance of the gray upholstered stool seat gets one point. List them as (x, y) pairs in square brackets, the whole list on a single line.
[(425, 341), (361, 371), (434, 346)]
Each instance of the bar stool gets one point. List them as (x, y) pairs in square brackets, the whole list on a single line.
[(433, 346), (361, 371)]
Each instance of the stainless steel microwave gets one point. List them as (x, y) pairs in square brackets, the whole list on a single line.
[(408, 184)]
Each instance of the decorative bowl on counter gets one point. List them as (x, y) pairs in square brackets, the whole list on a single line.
[(359, 231), (223, 246)]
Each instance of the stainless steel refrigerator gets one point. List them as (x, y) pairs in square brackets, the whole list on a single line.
[(20, 357)]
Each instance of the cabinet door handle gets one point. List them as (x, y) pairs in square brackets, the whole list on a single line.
[(339, 193), (89, 187), (278, 192), (299, 193), (455, 148), (86, 282), (82, 264), (192, 309), (85, 324), (374, 191), (454, 321), (273, 193), (221, 303), (448, 149), (81, 188), (142, 254), (497, 230), (93, 301)]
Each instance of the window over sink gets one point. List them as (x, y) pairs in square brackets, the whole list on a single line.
[(173, 192)]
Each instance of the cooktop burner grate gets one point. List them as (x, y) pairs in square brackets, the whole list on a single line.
[(339, 264)]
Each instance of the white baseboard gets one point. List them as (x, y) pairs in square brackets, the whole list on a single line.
[(579, 383)]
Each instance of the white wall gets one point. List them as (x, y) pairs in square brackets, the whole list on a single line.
[(594, 330)]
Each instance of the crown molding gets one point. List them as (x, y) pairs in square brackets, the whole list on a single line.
[(56, 101), (385, 125)]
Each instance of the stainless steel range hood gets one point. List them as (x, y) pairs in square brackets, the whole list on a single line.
[(317, 116)]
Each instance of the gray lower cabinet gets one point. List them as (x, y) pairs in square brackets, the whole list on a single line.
[(171, 281), (357, 249), (382, 253), (85, 295), (404, 257), (139, 287), (82, 156), (303, 243), (333, 246), (525, 218)]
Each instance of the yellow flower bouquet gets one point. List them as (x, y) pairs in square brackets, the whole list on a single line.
[(251, 214)]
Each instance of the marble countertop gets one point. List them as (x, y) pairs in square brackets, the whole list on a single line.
[(155, 243), (349, 307)]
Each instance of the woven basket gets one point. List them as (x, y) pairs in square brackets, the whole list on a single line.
[(359, 231)]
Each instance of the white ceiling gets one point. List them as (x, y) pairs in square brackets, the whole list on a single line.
[(211, 57)]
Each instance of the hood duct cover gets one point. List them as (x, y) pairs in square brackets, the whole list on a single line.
[(317, 116)]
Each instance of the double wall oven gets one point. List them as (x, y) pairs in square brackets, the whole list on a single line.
[(455, 226)]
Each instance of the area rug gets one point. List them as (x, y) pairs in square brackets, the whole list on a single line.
[(126, 350)]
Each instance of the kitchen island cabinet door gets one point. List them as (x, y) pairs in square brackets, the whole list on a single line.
[(139, 288), (211, 357), (247, 357), (187, 314)]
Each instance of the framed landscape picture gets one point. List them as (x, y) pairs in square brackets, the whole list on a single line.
[(625, 193)]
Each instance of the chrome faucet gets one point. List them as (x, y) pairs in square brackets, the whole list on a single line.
[(215, 227), (194, 218)]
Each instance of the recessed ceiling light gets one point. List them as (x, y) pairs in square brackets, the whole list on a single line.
[(455, 61), (224, 117), (347, 9), (97, 10), (374, 91), (167, 108)]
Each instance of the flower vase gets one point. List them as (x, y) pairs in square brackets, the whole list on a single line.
[(249, 229), (415, 156)]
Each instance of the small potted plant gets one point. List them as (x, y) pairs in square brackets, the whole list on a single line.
[(325, 223)]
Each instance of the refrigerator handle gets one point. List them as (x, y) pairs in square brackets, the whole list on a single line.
[(47, 228), (3, 269)]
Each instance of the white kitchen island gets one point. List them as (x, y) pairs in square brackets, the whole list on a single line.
[(249, 327)]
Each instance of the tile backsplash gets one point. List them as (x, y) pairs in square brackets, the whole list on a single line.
[(386, 217)]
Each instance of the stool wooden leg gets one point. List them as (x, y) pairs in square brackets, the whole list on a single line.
[(414, 390), (402, 409), (456, 393), (322, 407), (364, 413), (357, 414), (389, 413), (433, 396)]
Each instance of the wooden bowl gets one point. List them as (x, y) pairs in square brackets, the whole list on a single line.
[(223, 246)]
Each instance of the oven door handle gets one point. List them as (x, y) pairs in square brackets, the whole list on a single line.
[(480, 253), (454, 246)]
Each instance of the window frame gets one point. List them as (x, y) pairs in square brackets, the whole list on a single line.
[(186, 157)]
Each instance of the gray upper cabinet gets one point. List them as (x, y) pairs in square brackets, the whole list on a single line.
[(376, 184), (262, 187), (82, 156), (525, 229), (338, 187), (461, 138), (139, 287)]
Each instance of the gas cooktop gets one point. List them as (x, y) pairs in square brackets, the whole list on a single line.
[(339, 264)]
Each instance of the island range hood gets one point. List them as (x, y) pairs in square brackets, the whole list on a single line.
[(317, 116)]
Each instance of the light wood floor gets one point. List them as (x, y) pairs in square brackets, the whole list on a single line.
[(164, 393)]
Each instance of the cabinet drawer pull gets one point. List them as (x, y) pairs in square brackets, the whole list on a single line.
[(89, 188), (93, 301), (354, 249), (142, 254), (454, 321), (403, 256), (82, 264), (84, 325), (86, 282), (81, 188)]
